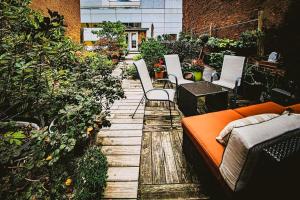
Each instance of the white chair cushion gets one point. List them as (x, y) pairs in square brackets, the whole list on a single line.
[(160, 95), (255, 119), (243, 139), (224, 83)]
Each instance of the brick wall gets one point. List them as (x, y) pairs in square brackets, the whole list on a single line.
[(199, 14), (70, 9)]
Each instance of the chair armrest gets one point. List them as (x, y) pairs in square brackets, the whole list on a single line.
[(238, 82), (213, 74), (176, 80), (161, 79), (158, 90)]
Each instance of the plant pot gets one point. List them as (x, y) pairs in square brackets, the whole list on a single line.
[(197, 76), (159, 75)]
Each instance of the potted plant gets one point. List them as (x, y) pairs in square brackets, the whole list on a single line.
[(159, 69), (197, 68)]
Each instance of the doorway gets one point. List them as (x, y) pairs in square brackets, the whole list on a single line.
[(133, 41)]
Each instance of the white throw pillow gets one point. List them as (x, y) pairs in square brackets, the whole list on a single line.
[(224, 135)]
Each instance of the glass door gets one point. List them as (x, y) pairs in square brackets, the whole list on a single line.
[(133, 41)]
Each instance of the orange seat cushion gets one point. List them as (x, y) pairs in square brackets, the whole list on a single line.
[(295, 108), (203, 129), (268, 107)]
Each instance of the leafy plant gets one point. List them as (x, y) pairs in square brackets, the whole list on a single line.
[(47, 79), (249, 39), (112, 38), (14, 137), (152, 51), (216, 59), (187, 47), (131, 72), (221, 44), (91, 175), (137, 57)]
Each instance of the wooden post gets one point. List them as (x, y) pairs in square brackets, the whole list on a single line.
[(210, 29), (260, 39)]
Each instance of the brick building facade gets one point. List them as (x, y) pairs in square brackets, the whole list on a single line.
[(198, 15), (70, 9)]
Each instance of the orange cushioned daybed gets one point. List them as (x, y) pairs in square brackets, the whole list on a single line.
[(201, 130)]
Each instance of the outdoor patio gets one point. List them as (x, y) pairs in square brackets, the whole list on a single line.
[(148, 99)]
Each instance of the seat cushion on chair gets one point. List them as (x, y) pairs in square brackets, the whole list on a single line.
[(161, 95), (224, 83), (203, 129), (268, 107), (245, 145)]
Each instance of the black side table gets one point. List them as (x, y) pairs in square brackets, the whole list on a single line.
[(216, 97)]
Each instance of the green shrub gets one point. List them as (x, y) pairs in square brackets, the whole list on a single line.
[(131, 72), (137, 57), (112, 39), (46, 78), (90, 175), (187, 47), (249, 39), (216, 59), (152, 51), (221, 44)]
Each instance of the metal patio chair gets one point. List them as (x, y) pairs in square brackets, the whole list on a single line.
[(231, 74), (151, 93), (174, 70)]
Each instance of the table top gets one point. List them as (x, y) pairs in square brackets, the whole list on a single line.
[(203, 88)]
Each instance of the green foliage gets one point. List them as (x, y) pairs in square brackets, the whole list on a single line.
[(46, 79), (152, 51), (112, 38), (218, 43), (187, 47), (137, 57), (216, 59), (248, 39), (14, 137), (131, 72), (91, 176)]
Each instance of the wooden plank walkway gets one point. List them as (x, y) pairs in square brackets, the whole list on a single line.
[(121, 143), (164, 171)]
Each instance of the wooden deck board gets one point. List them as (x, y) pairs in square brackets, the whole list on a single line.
[(121, 150), (158, 170), (110, 141), (172, 177), (121, 142), (169, 161), (174, 191), (121, 190), (120, 133), (123, 160), (123, 174), (146, 160)]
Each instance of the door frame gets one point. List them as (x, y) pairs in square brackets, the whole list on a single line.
[(130, 41)]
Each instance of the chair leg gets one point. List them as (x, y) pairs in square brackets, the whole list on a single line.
[(165, 85), (137, 107), (170, 114), (234, 98)]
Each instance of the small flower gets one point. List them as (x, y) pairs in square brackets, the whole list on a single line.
[(68, 182), (89, 130), (49, 158)]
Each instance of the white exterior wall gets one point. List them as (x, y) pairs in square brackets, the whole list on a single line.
[(165, 15)]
